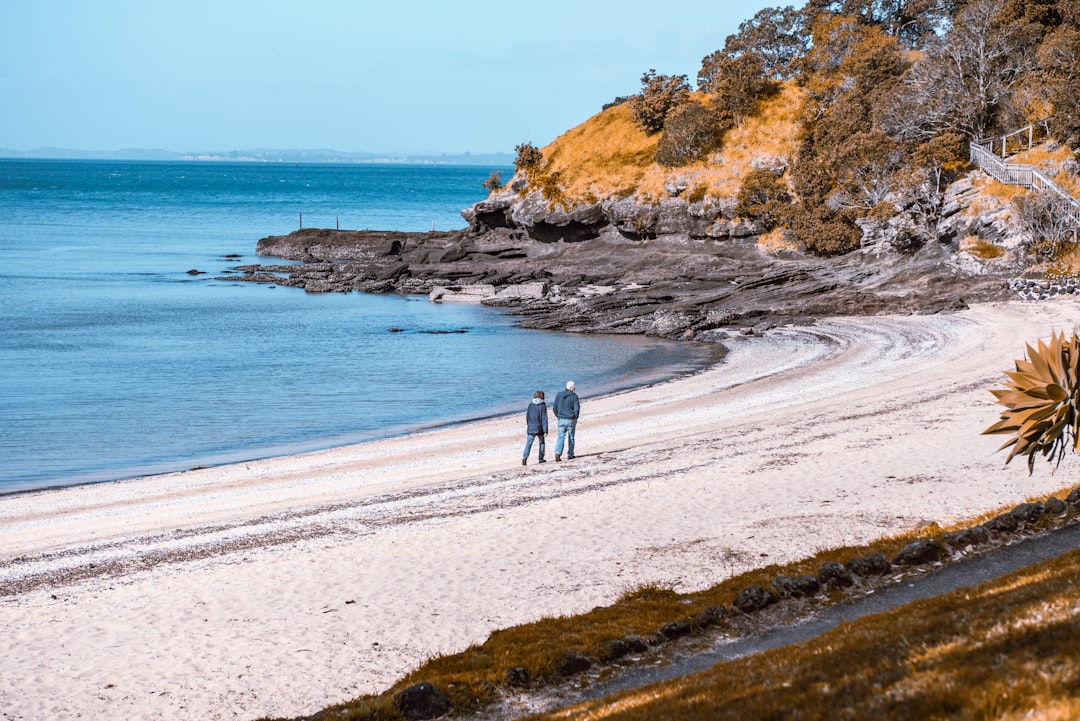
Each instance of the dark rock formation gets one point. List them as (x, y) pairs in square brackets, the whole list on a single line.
[(833, 574), (919, 553), (574, 663), (873, 565), (517, 677), (788, 586), (754, 598), (969, 537), (675, 629), (625, 646), (422, 701), (672, 270)]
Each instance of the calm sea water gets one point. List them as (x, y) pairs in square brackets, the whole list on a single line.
[(114, 362)]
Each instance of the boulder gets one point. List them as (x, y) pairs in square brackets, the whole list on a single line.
[(873, 565), (421, 702), (833, 574), (788, 586), (919, 553), (754, 598)]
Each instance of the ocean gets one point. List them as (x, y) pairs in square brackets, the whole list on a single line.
[(115, 362)]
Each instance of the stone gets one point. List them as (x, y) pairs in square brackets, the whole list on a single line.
[(421, 702), (833, 574), (1005, 523), (1073, 499), (974, 536), (517, 677), (1054, 506), (1028, 512), (754, 598), (788, 586), (574, 663), (625, 646), (919, 553), (675, 629), (712, 616), (873, 565)]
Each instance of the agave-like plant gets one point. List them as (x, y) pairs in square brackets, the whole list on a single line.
[(1042, 401)]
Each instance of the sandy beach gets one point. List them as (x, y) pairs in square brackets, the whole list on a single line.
[(276, 587)]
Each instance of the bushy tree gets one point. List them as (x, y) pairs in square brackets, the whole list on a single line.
[(763, 197), (659, 95), (737, 85), (823, 230), (529, 157), (690, 132), (777, 37), (965, 81), (1059, 63)]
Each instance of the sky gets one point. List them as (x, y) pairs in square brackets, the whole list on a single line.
[(391, 76)]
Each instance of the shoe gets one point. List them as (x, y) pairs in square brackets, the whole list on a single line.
[(524, 462), (557, 458), (542, 461), (570, 458)]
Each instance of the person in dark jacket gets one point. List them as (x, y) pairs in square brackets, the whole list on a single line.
[(536, 426), (567, 407)]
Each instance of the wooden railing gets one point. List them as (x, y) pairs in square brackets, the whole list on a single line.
[(984, 153)]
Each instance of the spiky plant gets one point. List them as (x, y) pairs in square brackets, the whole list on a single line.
[(1042, 401)]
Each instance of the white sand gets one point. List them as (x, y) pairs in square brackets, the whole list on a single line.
[(278, 587)]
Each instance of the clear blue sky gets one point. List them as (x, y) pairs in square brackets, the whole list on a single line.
[(386, 76)]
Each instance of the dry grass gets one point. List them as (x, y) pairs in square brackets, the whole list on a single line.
[(981, 248), (1003, 650), (608, 156)]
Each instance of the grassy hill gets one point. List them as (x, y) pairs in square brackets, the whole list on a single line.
[(609, 156)]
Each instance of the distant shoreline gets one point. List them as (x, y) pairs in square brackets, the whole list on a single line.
[(333, 157)]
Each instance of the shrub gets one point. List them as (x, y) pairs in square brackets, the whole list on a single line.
[(494, 181), (762, 196), (823, 230), (690, 132), (1041, 398), (659, 95), (528, 157), (1048, 220)]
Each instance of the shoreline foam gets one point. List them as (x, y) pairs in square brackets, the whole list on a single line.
[(277, 587)]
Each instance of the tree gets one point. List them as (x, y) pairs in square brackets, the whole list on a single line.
[(659, 95), (965, 81), (776, 36), (737, 85), (1059, 63), (690, 131)]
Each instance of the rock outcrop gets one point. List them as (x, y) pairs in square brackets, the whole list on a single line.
[(674, 270)]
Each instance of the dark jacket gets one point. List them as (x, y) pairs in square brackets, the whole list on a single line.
[(566, 405), (536, 418)]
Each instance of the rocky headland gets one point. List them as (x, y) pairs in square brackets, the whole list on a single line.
[(670, 270)]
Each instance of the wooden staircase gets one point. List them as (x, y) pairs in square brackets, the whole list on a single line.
[(985, 154)]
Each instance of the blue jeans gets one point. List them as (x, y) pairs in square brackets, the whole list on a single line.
[(566, 433), (528, 446)]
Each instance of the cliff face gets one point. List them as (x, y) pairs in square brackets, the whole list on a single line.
[(667, 270)]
